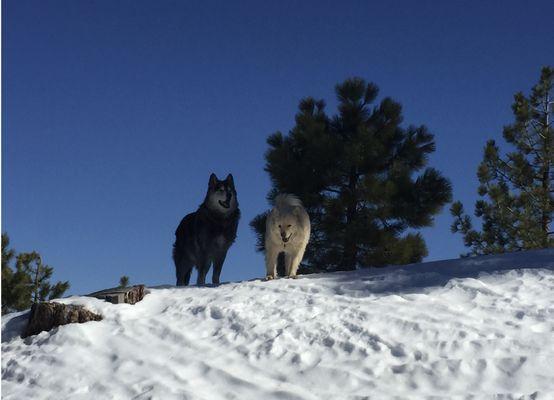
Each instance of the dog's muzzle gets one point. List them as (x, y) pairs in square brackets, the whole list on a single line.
[(225, 204)]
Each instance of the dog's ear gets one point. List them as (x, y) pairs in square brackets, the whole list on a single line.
[(213, 180), (230, 181)]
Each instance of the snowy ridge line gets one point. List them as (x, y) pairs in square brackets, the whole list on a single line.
[(468, 328), (543, 258)]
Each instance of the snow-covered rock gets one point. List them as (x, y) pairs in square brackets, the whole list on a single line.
[(468, 327)]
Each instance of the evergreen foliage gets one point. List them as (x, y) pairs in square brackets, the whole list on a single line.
[(124, 281), (516, 190), (362, 177), (28, 281), (15, 283)]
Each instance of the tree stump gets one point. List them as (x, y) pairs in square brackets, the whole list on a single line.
[(129, 295), (45, 316)]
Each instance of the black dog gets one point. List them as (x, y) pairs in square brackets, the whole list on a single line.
[(203, 237)]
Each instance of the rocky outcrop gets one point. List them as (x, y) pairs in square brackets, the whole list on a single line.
[(45, 316), (130, 295)]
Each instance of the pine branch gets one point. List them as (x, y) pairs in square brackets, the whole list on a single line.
[(532, 144), (514, 182), (514, 214)]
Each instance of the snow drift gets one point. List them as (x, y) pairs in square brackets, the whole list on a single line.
[(480, 327)]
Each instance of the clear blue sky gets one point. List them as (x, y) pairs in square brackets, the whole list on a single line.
[(114, 113)]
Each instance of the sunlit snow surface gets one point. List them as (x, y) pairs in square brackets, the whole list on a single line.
[(467, 328)]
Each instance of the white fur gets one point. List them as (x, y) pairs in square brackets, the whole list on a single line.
[(287, 200), (289, 219)]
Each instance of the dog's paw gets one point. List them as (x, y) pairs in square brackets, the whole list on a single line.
[(269, 277), (292, 276)]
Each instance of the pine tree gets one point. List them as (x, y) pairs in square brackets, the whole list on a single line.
[(28, 281), (124, 281), (16, 290), (356, 173), (516, 190), (9, 293), (40, 274)]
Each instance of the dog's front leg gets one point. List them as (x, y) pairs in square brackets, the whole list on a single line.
[(271, 264), (203, 268), (288, 263), (218, 265), (295, 262)]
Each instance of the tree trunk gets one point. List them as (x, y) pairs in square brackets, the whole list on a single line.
[(546, 211), (36, 288), (350, 253)]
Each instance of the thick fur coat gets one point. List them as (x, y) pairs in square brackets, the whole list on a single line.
[(288, 232), (204, 237)]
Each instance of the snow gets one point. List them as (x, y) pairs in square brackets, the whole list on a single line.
[(467, 328)]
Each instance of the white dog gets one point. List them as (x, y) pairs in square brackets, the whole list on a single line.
[(287, 230)]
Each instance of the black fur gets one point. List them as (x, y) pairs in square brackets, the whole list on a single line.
[(203, 237)]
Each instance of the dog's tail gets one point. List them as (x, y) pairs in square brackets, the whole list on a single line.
[(284, 200), (175, 252)]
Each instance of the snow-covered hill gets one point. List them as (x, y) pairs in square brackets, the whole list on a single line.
[(480, 326)]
